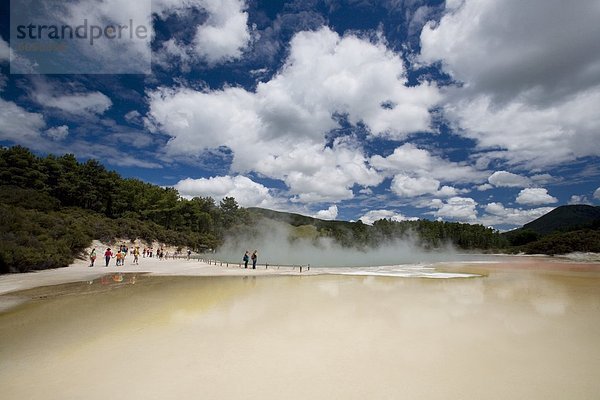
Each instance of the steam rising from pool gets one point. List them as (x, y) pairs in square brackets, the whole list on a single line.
[(275, 247)]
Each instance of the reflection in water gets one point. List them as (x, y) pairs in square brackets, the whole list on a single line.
[(507, 335), (117, 278)]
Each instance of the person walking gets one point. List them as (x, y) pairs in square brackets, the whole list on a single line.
[(107, 256), (254, 257), (246, 258), (92, 257), (136, 256), (120, 258)]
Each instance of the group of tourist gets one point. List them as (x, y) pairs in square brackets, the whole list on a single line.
[(119, 255), (253, 257), (148, 252), (160, 253), (124, 250)]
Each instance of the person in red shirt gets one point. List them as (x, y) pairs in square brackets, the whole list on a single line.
[(107, 256)]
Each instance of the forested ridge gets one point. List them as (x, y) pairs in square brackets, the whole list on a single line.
[(563, 230), (52, 208), (429, 234)]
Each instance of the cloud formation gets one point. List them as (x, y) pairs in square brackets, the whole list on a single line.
[(406, 186), (535, 196), (508, 179), (530, 77), (410, 160), (497, 48), (246, 192), (375, 215), (328, 214), (78, 103), (456, 208), (579, 199), (497, 213), (280, 129), (18, 124), (57, 133), (221, 37)]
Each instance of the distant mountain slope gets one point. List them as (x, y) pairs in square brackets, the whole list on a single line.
[(565, 218), (430, 234), (290, 218), (296, 219)]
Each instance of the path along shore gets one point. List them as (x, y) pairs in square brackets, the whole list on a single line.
[(80, 271)]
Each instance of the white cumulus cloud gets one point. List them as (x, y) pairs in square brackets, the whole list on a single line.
[(508, 179), (329, 214), (406, 186), (597, 193), (246, 192), (579, 199), (18, 124), (497, 47), (225, 34), (279, 130), (411, 160), (57, 132), (375, 215), (531, 135), (535, 196), (456, 208), (521, 113), (222, 37)]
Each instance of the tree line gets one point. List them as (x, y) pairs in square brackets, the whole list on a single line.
[(54, 206), (428, 234)]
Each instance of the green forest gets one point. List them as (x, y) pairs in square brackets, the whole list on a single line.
[(52, 208)]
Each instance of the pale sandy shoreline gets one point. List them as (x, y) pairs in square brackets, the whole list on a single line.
[(79, 271)]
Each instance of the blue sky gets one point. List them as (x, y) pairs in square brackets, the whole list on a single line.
[(473, 111)]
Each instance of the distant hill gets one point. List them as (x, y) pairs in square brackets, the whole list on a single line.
[(430, 234), (563, 230), (564, 219), (296, 219), (290, 218)]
